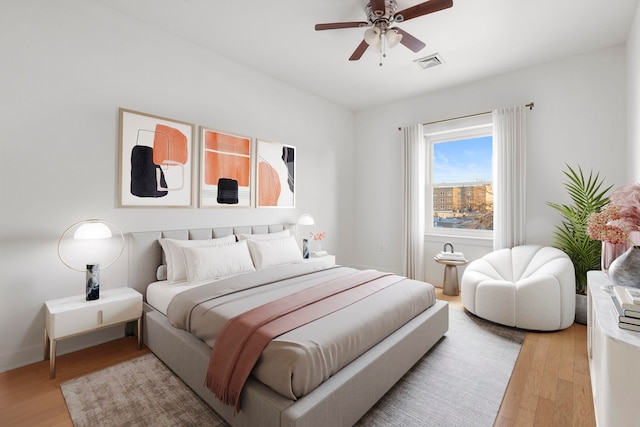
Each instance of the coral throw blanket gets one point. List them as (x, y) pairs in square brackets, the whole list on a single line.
[(242, 339)]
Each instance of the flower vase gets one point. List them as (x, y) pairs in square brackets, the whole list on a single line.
[(318, 246), (611, 251), (625, 270)]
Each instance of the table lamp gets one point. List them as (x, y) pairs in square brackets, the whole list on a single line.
[(305, 220), (91, 243)]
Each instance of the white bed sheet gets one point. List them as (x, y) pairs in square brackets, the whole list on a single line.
[(160, 294)]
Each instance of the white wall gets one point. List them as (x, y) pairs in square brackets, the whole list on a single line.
[(67, 67), (633, 101), (579, 118)]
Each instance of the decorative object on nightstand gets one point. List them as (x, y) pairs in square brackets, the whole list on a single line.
[(451, 260), (317, 239), (92, 241)]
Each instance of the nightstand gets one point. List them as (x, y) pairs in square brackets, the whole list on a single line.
[(67, 317), (326, 260)]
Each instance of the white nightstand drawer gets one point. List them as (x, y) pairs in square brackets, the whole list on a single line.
[(74, 315), (325, 260)]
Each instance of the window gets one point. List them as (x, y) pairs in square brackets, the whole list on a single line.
[(459, 183)]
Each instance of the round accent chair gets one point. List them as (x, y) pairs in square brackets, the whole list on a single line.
[(529, 287)]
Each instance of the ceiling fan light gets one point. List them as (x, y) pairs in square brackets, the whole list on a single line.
[(372, 36), (393, 38)]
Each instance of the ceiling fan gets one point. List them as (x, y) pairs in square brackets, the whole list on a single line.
[(381, 14)]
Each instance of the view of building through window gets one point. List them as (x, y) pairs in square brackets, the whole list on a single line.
[(462, 184)]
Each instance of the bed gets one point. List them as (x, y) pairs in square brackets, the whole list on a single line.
[(339, 400)]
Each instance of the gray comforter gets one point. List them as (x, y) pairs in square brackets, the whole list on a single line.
[(298, 361)]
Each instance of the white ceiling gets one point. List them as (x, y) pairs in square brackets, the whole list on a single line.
[(476, 38)]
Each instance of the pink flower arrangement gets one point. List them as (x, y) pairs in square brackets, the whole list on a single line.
[(619, 218), (317, 236), (606, 225), (628, 200)]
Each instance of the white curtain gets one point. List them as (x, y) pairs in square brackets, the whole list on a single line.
[(413, 153), (509, 151)]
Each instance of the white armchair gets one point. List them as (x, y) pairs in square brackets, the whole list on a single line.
[(529, 287)]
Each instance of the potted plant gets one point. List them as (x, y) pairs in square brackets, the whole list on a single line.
[(572, 237)]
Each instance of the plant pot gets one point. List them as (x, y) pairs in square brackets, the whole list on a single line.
[(581, 309)]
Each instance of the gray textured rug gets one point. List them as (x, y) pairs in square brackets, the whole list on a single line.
[(139, 392), (460, 382)]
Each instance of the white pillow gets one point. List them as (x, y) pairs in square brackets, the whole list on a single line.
[(267, 236), (161, 272), (176, 269), (213, 262), (269, 253)]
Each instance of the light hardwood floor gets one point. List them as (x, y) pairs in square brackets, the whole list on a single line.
[(550, 385)]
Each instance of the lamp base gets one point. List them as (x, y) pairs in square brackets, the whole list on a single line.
[(305, 248), (93, 282)]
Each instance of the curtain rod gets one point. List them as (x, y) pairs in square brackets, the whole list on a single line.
[(529, 105)]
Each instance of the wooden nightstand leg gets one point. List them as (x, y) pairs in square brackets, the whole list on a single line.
[(52, 359), (139, 332), (46, 344)]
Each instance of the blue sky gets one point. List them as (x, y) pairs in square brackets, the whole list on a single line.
[(462, 160)]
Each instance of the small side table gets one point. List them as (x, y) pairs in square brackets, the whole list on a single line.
[(450, 284), (326, 260), (66, 317)]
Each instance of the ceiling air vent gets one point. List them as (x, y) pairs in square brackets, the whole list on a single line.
[(430, 61)]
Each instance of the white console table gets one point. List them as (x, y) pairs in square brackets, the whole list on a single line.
[(614, 359)]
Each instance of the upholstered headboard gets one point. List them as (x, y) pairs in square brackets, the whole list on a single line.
[(145, 253)]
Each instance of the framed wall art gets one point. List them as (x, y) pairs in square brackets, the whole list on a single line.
[(156, 161), (275, 177), (225, 169)]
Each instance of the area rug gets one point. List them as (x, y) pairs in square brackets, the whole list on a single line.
[(460, 382), (140, 392)]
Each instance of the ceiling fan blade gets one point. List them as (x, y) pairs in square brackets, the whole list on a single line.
[(378, 8), (422, 9), (339, 25), (409, 41), (357, 54)]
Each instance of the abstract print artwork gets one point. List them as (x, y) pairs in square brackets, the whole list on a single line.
[(155, 161), (275, 175), (225, 174)]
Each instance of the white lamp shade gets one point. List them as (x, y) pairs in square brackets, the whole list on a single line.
[(372, 36), (393, 38), (306, 219), (92, 230), (90, 242)]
